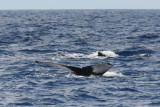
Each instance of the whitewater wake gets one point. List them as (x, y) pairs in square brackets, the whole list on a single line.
[(112, 74), (94, 55)]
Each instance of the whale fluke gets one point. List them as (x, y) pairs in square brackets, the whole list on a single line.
[(98, 69)]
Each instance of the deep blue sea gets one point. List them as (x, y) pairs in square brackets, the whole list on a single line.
[(130, 39)]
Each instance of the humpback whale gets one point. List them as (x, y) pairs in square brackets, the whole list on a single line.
[(98, 69)]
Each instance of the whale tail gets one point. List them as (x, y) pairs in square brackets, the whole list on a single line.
[(98, 69), (56, 65)]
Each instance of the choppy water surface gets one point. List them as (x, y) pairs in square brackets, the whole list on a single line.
[(130, 39)]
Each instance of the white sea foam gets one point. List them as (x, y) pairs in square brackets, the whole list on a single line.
[(93, 55), (112, 74), (105, 53)]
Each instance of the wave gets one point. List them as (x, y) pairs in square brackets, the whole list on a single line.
[(94, 55)]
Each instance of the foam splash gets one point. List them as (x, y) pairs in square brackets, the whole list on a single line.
[(93, 55), (112, 74), (105, 53)]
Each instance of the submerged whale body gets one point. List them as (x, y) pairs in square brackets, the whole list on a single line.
[(101, 54), (98, 69)]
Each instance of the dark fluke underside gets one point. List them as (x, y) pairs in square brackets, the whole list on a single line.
[(98, 69)]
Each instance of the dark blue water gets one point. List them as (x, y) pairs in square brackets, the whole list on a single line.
[(130, 38)]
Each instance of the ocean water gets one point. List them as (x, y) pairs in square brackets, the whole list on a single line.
[(130, 39)]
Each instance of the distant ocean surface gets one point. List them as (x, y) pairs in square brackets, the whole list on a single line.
[(130, 39)]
